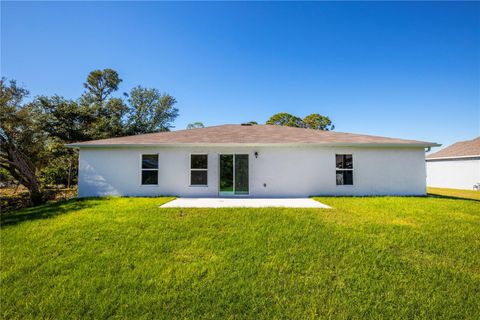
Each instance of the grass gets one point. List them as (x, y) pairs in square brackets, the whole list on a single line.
[(126, 258), (454, 193)]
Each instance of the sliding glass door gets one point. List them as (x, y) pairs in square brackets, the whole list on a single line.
[(241, 174), (226, 174), (233, 174)]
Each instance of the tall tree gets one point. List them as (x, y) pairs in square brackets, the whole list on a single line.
[(195, 125), (109, 119), (33, 135), (62, 121), (100, 84), (150, 111), (21, 141), (285, 119), (107, 112), (318, 122)]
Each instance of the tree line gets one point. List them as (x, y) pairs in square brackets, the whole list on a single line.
[(313, 121), (33, 134)]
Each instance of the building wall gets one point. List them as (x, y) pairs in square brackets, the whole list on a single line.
[(286, 171), (455, 174)]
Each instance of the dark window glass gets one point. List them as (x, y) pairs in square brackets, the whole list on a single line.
[(199, 161), (150, 161), (226, 173), (344, 161), (344, 177), (199, 177), (339, 161), (241, 174), (348, 177), (347, 161), (149, 176)]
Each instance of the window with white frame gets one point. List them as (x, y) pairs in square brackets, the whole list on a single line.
[(198, 169), (344, 169), (149, 169)]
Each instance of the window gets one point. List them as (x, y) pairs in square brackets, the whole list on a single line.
[(149, 169), (344, 166), (198, 170)]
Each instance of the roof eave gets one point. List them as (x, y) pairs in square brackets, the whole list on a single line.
[(453, 157), (325, 144)]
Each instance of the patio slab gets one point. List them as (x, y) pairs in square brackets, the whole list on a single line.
[(244, 203)]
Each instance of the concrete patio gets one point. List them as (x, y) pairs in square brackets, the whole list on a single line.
[(244, 203)]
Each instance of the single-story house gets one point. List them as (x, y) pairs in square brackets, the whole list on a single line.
[(251, 160), (457, 166)]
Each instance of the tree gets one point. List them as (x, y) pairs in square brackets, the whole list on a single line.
[(252, 123), (100, 84), (95, 115), (21, 141), (195, 125), (107, 114), (109, 119), (285, 119), (313, 121), (64, 119), (318, 122), (62, 166), (150, 111), (33, 135)]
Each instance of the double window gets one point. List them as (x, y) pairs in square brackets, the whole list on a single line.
[(149, 169), (344, 167), (198, 170)]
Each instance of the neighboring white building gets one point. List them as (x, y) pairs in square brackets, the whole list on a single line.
[(256, 161), (457, 166)]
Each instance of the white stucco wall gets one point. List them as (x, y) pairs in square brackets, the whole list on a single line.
[(286, 171), (453, 173)]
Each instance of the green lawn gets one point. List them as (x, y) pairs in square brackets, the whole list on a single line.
[(126, 258), (454, 193)]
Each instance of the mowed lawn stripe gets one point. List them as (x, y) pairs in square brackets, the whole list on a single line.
[(454, 193), (382, 257)]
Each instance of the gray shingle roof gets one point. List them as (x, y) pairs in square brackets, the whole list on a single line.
[(253, 135), (459, 149)]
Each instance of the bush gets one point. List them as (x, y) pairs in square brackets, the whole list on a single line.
[(6, 178), (56, 173), (11, 200), (63, 160)]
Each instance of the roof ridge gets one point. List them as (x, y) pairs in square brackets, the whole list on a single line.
[(155, 133), (255, 134)]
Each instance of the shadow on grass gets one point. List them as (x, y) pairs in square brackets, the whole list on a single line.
[(433, 195), (45, 211)]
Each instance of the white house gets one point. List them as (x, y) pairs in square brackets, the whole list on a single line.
[(251, 160), (457, 166)]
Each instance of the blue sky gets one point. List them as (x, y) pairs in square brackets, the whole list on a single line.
[(402, 69)]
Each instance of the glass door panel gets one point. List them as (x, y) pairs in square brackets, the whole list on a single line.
[(226, 174), (241, 174)]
